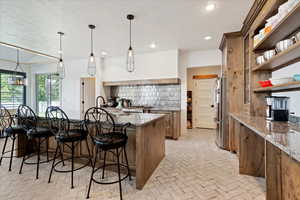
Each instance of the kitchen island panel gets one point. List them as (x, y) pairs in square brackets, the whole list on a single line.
[(150, 150)]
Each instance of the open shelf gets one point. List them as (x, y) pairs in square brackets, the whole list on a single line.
[(287, 87), (282, 30), (285, 58)]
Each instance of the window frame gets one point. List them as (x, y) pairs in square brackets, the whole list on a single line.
[(4, 71), (49, 95)]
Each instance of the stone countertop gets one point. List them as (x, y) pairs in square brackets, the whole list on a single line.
[(165, 109), (283, 135), (136, 119), (121, 118)]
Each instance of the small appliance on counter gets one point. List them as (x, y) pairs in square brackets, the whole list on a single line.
[(277, 108), (112, 102), (127, 103)]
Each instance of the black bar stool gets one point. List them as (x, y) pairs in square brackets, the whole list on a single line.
[(59, 124), (35, 135), (101, 127), (10, 130)]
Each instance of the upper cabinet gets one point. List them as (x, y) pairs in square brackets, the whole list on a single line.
[(232, 71)]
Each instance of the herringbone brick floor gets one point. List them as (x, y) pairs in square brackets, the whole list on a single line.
[(193, 169)]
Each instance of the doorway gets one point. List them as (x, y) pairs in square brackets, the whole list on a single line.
[(202, 109)]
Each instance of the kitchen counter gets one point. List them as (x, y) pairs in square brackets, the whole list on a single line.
[(283, 135), (138, 116), (165, 109), (135, 119), (268, 149)]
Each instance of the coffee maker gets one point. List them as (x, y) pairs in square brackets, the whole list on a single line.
[(277, 108)]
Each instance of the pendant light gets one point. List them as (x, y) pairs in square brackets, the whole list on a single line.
[(15, 78), (130, 53), (60, 64), (92, 60)]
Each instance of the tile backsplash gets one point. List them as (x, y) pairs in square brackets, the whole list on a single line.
[(150, 95)]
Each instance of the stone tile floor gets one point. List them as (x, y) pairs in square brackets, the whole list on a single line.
[(193, 169)]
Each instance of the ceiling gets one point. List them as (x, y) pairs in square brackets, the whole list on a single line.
[(171, 24)]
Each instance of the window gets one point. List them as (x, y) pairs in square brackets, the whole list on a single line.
[(11, 96), (48, 90)]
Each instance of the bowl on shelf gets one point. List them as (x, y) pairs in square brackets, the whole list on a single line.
[(269, 54), (279, 81), (284, 45), (297, 77), (260, 60), (266, 83)]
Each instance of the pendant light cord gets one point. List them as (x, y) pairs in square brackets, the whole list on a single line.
[(92, 47), (18, 61), (60, 46), (130, 33)]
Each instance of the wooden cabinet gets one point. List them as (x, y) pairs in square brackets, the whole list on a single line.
[(172, 121)]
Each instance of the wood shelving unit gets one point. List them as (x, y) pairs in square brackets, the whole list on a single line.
[(287, 87), (285, 58), (282, 30)]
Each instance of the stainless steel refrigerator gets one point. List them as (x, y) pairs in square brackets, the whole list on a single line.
[(222, 139)]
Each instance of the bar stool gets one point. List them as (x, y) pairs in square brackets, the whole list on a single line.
[(35, 135), (10, 130), (101, 127), (59, 124)]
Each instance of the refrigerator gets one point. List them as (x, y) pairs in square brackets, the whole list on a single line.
[(222, 139)]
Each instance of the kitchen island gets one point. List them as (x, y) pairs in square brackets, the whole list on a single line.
[(145, 147)]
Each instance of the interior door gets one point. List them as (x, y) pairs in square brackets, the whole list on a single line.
[(87, 95), (204, 111)]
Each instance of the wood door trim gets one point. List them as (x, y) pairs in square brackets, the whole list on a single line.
[(207, 76)]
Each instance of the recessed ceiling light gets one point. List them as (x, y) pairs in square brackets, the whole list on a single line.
[(210, 7), (152, 45), (104, 53), (208, 38)]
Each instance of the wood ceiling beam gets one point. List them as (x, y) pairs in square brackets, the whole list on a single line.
[(28, 50)]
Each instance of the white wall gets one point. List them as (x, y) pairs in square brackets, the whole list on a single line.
[(201, 58), (295, 96), (70, 99), (194, 59), (163, 64)]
